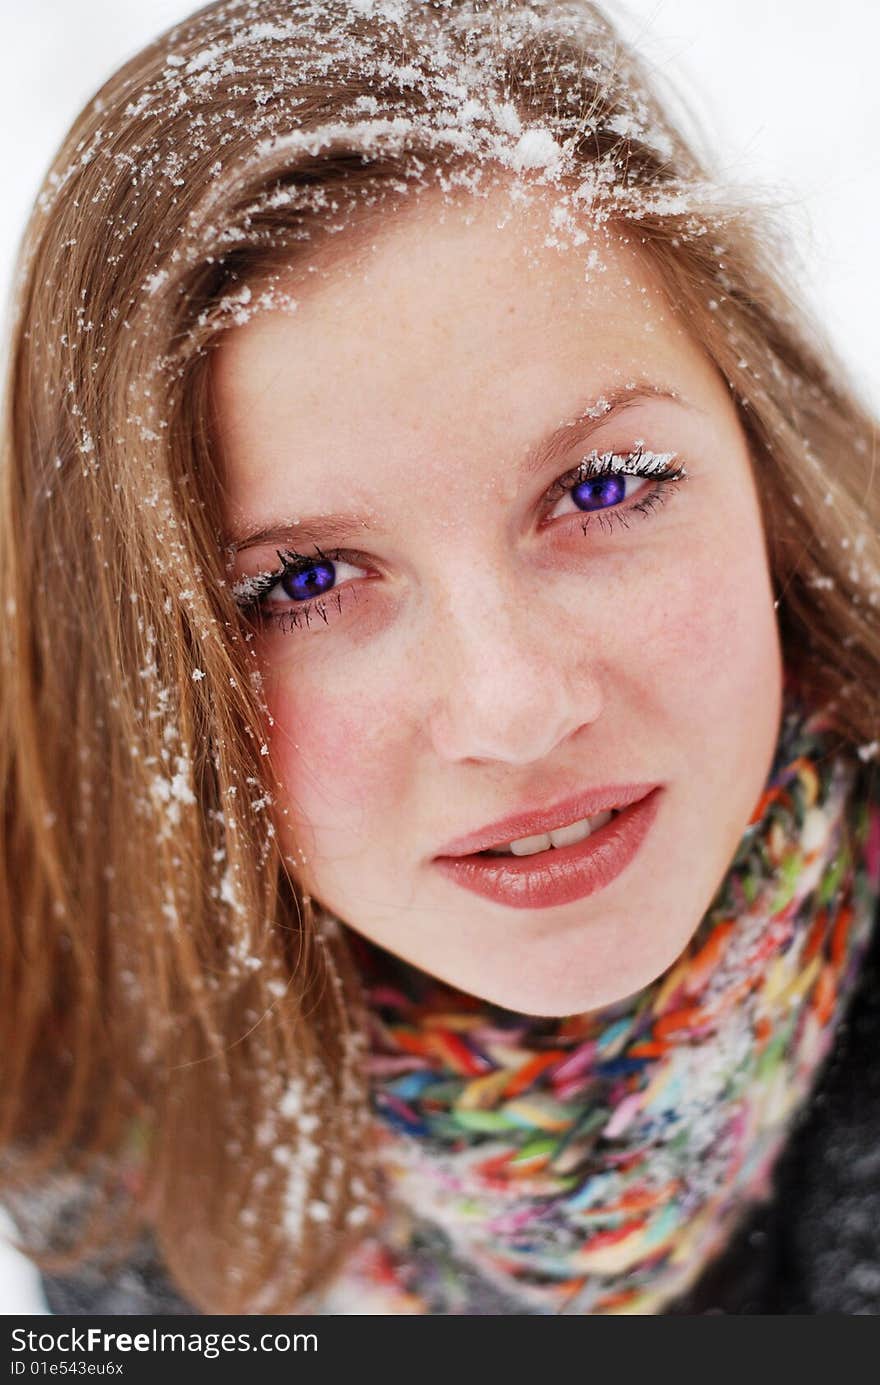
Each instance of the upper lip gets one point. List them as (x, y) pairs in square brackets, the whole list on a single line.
[(536, 821)]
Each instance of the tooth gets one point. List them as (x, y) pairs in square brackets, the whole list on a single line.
[(567, 836), (559, 836), (527, 846)]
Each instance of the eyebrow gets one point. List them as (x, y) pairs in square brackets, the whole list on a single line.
[(336, 527)]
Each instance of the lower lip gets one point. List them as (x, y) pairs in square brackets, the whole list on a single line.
[(558, 875)]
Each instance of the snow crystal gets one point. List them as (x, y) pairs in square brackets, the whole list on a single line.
[(169, 910), (179, 788), (536, 149), (357, 1215), (392, 11), (228, 892), (207, 58), (170, 792), (291, 1103)]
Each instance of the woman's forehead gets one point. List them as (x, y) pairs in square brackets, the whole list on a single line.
[(455, 309)]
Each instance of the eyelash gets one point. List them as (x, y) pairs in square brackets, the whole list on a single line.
[(251, 592)]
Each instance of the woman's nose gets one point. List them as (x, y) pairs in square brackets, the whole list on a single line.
[(510, 682)]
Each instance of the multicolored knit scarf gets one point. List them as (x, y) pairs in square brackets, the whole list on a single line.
[(596, 1164)]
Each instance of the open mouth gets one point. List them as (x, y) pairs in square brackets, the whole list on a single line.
[(538, 873)]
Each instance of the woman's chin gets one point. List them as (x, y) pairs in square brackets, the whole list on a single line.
[(553, 997)]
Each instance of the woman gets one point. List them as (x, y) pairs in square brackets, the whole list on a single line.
[(441, 475)]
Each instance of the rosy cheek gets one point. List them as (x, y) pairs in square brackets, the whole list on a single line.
[(708, 630), (333, 754)]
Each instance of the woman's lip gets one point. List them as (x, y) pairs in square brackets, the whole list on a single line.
[(586, 804), (558, 875)]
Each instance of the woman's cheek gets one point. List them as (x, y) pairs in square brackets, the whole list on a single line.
[(333, 753), (708, 629)]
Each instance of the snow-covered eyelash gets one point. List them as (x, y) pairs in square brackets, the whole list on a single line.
[(249, 591), (639, 462)]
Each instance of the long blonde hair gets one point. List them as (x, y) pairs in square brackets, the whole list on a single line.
[(181, 1040)]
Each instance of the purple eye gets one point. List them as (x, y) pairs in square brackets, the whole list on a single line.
[(607, 482), (599, 491), (308, 585), (310, 581)]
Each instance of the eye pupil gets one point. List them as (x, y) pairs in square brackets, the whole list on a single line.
[(599, 492), (311, 581)]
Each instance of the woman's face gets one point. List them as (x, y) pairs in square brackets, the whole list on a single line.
[(475, 630)]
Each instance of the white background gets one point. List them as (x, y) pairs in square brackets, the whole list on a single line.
[(786, 92)]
